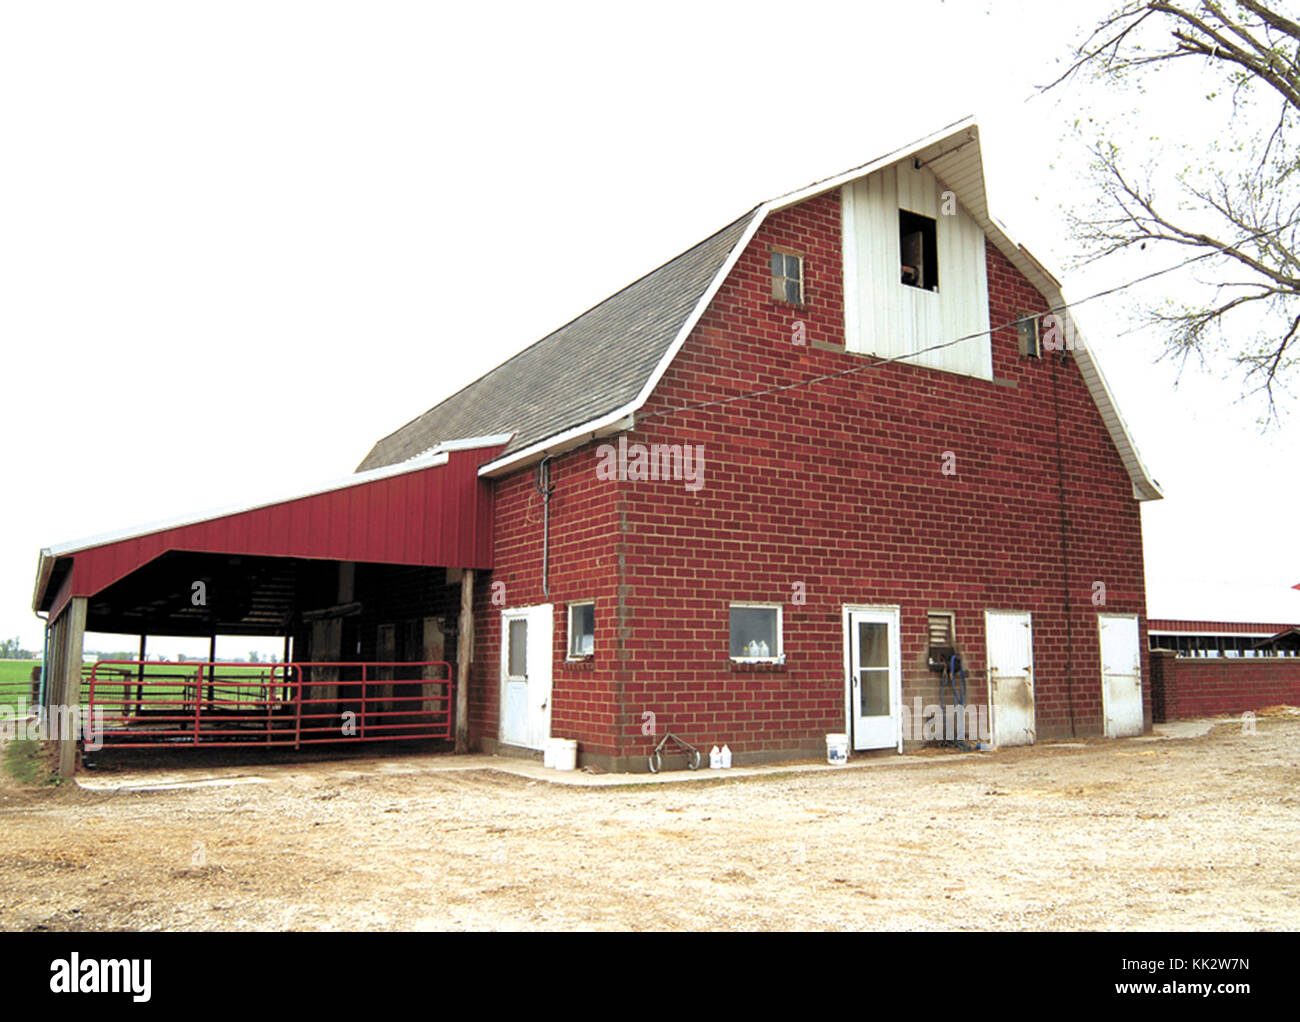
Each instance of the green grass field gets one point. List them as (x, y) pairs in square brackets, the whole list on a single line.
[(15, 678)]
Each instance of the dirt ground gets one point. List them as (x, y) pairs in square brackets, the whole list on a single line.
[(1200, 833)]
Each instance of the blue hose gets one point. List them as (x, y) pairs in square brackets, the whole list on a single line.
[(953, 672)]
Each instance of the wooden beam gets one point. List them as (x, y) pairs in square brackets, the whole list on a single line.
[(464, 649), (338, 610), (70, 689)]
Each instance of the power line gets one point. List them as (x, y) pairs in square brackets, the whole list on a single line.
[(763, 392)]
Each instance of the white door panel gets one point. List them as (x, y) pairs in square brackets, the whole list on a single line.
[(1121, 674), (874, 684), (1010, 646), (541, 624), (526, 635)]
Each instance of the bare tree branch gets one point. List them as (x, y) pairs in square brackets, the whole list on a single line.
[(1247, 214)]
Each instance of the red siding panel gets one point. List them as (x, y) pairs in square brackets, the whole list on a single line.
[(434, 516)]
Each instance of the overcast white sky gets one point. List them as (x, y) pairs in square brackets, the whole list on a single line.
[(241, 241)]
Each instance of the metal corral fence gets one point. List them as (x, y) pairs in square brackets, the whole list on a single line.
[(138, 704)]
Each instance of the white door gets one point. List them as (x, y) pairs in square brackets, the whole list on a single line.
[(1121, 674), (874, 690), (1010, 645), (526, 676)]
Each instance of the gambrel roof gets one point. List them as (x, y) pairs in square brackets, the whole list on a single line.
[(590, 377), (592, 364)]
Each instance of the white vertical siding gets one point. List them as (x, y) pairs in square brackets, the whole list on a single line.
[(888, 318)]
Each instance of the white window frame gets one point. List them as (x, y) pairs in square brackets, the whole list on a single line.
[(778, 656), (509, 617), (572, 654), (1029, 347), (802, 280)]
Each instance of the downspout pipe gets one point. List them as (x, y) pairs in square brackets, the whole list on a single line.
[(1058, 359), (45, 659), (545, 488)]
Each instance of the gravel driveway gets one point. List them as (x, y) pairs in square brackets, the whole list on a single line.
[(1201, 833)]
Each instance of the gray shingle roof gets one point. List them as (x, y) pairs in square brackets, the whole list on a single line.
[(590, 366)]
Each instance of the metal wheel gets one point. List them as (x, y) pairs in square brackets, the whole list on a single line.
[(693, 759), (656, 761)]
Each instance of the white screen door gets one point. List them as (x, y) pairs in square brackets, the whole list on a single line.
[(526, 676), (875, 680), (1010, 645), (1121, 674)]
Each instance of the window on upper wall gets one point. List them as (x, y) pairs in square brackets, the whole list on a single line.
[(787, 277), (1027, 332), (918, 250), (756, 632), (582, 630)]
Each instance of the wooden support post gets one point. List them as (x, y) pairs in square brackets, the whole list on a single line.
[(139, 675), (434, 690), (212, 659), (69, 712), (284, 674), (464, 650)]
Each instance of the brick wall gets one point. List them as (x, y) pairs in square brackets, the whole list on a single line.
[(584, 547), (1183, 687), (837, 487)]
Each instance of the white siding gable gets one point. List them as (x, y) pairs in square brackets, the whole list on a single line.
[(886, 317)]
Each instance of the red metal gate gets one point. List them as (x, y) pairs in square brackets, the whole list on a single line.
[(134, 704)]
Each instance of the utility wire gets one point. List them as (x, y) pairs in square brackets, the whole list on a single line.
[(959, 340)]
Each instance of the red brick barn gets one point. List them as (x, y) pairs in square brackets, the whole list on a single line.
[(757, 495), (764, 493)]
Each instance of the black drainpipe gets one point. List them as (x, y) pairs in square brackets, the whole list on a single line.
[(1057, 358), (545, 488)]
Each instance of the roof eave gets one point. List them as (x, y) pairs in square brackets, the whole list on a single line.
[(44, 568)]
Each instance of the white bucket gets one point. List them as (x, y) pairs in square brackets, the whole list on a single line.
[(563, 753), (837, 749), (548, 753)]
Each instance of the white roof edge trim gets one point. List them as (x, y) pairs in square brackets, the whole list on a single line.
[(613, 422), (431, 460), (468, 443), (1144, 486), (44, 565), (966, 124)]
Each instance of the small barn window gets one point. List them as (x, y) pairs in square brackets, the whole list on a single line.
[(1027, 331), (755, 632), (582, 630), (517, 659), (918, 250), (787, 277)]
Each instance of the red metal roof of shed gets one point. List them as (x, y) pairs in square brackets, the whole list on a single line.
[(433, 510), (1212, 627)]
